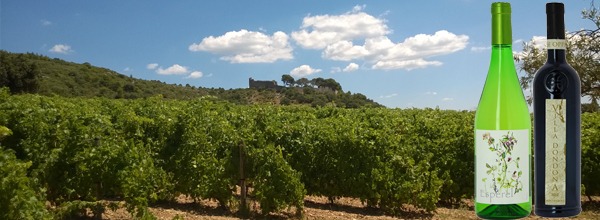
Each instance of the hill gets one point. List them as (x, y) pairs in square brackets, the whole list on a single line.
[(32, 73)]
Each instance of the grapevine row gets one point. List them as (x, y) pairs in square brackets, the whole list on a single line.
[(147, 150)]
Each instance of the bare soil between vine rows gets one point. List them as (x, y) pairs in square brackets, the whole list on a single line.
[(321, 208)]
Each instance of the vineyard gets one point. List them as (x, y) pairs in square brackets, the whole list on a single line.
[(60, 156)]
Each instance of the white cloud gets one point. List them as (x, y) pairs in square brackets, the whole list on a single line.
[(319, 31), (354, 35), (424, 45), (45, 22), (344, 51), (539, 42), (61, 48), (152, 66), (303, 71), (340, 37), (195, 75), (247, 46), (388, 96), (336, 69), (351, 67), (408, 54), (358, 8), (411, 53), (517, 41), (479, 49), (431, 93), (447, 99), (176, 69), (405, 64), (127, 69)]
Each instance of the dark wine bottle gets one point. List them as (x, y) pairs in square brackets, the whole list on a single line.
[(557, 126)]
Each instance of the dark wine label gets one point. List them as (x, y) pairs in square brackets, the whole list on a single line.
[(555, 182)]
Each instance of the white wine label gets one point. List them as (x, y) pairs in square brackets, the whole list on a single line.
[(556, 44), (502, 166), (555, 151)]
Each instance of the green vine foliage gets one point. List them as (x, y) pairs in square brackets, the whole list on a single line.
[(76, 152), (277, 185), (590, 153), (19, 198)]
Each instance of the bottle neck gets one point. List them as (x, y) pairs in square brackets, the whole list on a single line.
[(556, 47), (555, 32), (557, 56), (502, 51), (502, 61), (501, 25)]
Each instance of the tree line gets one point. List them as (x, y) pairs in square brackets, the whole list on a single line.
[(318, 82)]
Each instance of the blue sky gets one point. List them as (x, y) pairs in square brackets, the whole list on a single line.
[(398, 53)]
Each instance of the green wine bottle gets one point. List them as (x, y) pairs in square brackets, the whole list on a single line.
[(502, 132)]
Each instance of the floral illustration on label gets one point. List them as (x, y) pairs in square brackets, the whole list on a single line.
[(499, 175), (502, 166)]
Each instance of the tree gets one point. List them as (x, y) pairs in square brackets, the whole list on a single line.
[(129, 87), (31, 78), (18, 73), (318, 82), (302, 82), (583, 54), (287, 79), (333, 85)]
